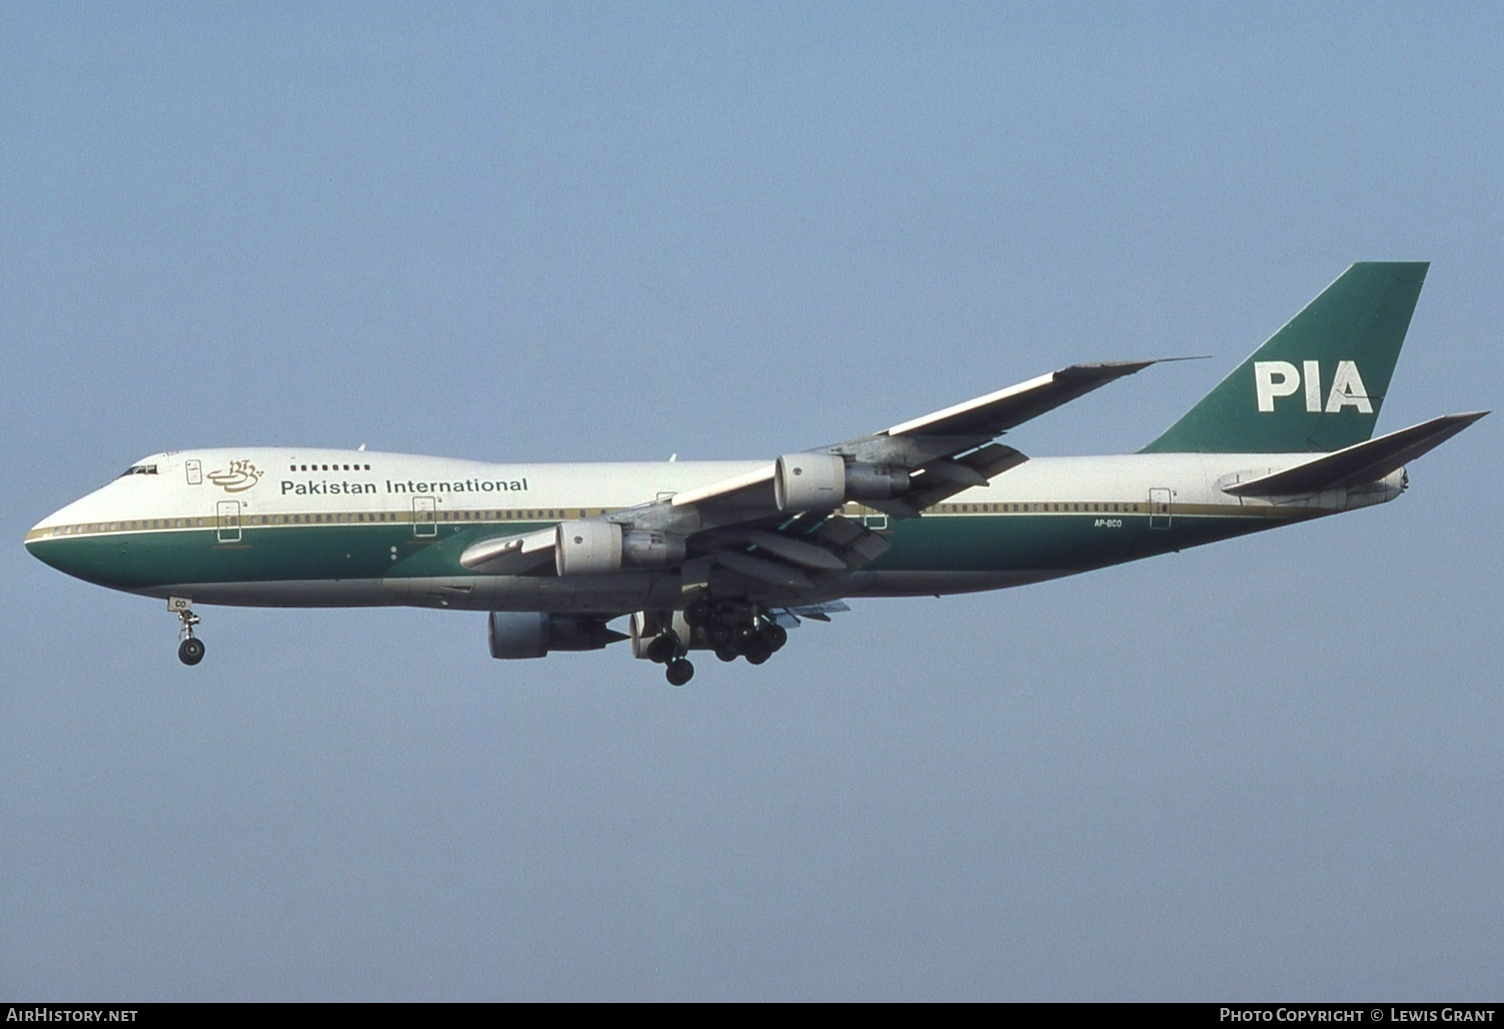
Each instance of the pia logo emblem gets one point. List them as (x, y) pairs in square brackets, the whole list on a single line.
[(1274, 379), (239, 477)]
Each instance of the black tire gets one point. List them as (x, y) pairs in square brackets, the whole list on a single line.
[(679, 672), (191, 651), (661, 650), (725, 653), (697, 613), (758, 652), (776, 635), (720, 635)]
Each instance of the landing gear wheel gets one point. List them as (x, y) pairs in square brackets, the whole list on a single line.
[(679, 672), (697, 613), (191, 650), (725, 653), (661, 650), (776, 635)]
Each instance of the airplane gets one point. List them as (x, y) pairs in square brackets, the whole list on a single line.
[(726, 556)]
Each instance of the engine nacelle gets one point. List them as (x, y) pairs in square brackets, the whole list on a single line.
[(817, 482), (809, 482), (646, 627), (522, 634), (587, 548), (875, 482), (600, 548), (648, 548)]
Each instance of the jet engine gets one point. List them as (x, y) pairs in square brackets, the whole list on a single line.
[(649, 626), (522, 634), (812, 482), (600, 548)]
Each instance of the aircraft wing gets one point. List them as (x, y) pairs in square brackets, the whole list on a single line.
[(998, 412), (780, 528), (512, 555), (943, 448)]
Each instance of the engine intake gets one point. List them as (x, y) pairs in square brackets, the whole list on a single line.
[(587, 548)]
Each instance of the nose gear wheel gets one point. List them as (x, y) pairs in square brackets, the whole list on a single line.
[(191, 649)]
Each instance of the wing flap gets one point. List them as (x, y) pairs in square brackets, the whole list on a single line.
[(953, 475), (808, 555), (789, 616), (775, 573), (796, 556), (855, 544)]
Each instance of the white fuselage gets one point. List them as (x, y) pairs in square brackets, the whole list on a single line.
[(278, 526)]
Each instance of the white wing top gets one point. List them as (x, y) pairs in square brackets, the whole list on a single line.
[(778, 525)]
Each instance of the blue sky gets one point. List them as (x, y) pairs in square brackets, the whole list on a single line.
[(1267, 769)]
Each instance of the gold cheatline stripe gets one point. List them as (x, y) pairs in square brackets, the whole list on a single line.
[(1117, 509), (492, 516), (350, 518)]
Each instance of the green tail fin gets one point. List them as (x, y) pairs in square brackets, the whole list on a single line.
[(1318, 383)]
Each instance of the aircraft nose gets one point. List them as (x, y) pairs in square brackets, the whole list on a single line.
[(42, 530), (43, 541), (75, 549)]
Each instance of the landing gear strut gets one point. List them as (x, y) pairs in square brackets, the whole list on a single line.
[(191, 650), (736, 630), (756, 639), (668, 650), (732, 628)]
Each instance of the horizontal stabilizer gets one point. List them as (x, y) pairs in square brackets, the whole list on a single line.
[(1362, 462)]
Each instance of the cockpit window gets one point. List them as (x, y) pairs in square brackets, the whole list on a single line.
[(139, 469)]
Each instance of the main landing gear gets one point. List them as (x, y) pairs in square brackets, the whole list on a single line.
[(736, 630), (731, 629), (191, 650), (679, 672), (667, 649)]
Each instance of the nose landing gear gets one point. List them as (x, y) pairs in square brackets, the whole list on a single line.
[(191, 649)]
